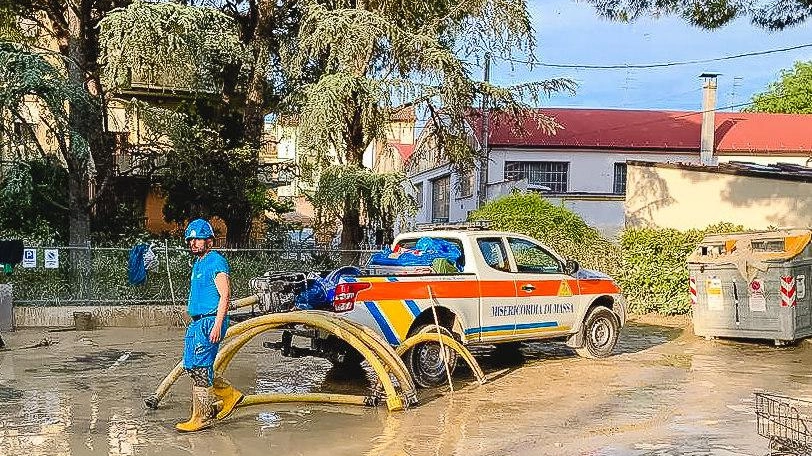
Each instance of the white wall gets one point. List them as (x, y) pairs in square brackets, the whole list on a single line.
[(458, 206), (589, 171)]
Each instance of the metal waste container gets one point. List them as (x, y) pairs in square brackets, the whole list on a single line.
[(752, 285)]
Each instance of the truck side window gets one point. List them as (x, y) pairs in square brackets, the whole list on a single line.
[(493, 251), (531, 258)]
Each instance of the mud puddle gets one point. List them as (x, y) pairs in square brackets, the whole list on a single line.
[(665, 392)]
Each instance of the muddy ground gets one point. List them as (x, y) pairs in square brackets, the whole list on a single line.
[(664, 392)]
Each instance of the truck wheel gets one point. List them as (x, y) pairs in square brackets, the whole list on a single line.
[(600, 334), (425, 363)]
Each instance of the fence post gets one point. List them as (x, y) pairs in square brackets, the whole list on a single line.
[(87, 277), (169, 271)]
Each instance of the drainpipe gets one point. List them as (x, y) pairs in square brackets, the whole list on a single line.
[(707, 137)]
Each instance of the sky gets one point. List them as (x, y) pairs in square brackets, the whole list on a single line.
[(569, 32)]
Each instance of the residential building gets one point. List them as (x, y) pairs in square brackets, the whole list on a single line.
[(583, 164), (379, 156)]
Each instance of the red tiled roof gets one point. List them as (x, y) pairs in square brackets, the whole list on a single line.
[(658, 130), (405, 150)]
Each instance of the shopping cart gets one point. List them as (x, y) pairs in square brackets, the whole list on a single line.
[(786, 422)]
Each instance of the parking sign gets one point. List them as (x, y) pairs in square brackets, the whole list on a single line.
[(30, 258)]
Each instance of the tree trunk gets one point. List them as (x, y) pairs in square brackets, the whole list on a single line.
[(239, 229), (351, 232), (253, 115)]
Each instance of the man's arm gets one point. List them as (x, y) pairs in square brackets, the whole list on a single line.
[(223, 284)]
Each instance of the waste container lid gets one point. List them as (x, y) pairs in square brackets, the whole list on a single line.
[(751, 251)]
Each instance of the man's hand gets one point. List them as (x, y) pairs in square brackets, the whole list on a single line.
[(214, 335)]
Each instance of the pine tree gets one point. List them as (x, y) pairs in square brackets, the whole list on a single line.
[(377, 57)]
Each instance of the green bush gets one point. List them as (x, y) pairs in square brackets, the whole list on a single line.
[(556, 226), (654, 274)]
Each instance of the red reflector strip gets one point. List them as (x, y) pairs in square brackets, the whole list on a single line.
[(788, 291)]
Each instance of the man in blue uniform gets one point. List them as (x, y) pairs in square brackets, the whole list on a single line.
[(209, 293)]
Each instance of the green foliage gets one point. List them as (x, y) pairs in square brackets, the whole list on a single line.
[(380, 56), (168, 44), (654, 275), (33, 200), (202, 177), (556, 226), (769, 14), (792, 94), (10, 29), (26, 74), (381, 196)]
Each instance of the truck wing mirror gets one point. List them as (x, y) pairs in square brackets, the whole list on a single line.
[(571, 267)]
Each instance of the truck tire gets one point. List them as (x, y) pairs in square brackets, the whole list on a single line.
[(424, 361), (600, 333)]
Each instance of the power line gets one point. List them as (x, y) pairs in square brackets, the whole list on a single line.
[(652, 65)]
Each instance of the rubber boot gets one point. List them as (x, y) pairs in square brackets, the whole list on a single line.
[(202, 411), (229, 396)]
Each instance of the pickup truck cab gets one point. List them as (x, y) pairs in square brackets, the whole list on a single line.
[(511, 288)]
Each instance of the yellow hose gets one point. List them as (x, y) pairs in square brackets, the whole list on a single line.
[(232, 345), (393, 360), (347, 399), (371, 339), (449, 342), (168, 381), (243, 302), (393, 401)]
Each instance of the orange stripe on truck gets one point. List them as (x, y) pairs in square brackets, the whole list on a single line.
[(471, 289), (590, 287)]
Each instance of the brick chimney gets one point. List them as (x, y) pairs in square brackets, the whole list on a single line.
[(707, 137)]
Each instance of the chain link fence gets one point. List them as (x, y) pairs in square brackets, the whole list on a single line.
[(98, 275)]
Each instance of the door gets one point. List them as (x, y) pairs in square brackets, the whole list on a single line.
[(497, 291), (546, 296)]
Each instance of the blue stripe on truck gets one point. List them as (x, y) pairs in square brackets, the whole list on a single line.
[(413, 307), (382, 323)]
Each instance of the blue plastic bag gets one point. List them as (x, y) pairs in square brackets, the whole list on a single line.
[(320, 291), (425, 251), (136, 269)]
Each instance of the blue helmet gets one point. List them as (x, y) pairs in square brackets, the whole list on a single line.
[(198, 229)]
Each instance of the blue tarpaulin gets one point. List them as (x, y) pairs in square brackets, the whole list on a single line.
[(320, 291), (425, 251)]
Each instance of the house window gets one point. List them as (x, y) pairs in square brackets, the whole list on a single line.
[(418, 194), (439, 199), (551, 176), (466, 185), (620, 179)]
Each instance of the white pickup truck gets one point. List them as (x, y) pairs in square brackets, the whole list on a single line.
[(510, 288)]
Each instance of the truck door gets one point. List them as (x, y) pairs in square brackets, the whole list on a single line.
[(546, 296), (497, 291)]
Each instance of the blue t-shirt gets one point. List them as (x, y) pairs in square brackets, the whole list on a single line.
[(203, 294)]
